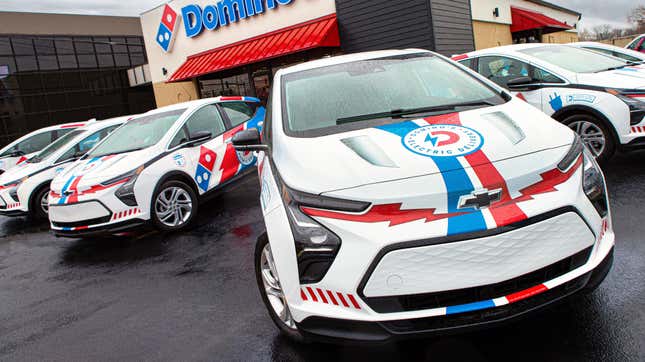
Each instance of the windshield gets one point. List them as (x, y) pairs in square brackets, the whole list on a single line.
[(355, 95), (575, 59), (58, 144), (137, 134)]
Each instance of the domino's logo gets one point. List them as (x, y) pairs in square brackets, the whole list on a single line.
[(166, 32)]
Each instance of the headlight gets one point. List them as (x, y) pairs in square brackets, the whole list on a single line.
[(13, 186), (593, 184), (316, 246), (125, 193), (636, 106)]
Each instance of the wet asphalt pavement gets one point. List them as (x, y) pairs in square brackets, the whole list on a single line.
[(192, 296)]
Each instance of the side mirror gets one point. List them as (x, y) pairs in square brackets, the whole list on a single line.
[(199, 137), (519, 83), (249, 140)]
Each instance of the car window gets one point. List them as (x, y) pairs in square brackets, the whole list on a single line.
[(238, 112), (467, 62), (542, 76), (86, 144), (636, 44), (180, 138), (325, 100), (502, 69), (55, 146), (208, 119), (32, 144), (614, 54), (138, 133), (574, 59)]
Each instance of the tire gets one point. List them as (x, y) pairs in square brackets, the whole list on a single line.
[(590, 128), (290, 332), (37, 209), (186, 202)]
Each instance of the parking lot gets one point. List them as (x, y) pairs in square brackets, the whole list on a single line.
[(192, 296)]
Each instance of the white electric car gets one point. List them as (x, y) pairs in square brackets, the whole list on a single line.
[(612, 50), (602, 98), (24, 189), (157, 167), (28, 145), (404, 194)]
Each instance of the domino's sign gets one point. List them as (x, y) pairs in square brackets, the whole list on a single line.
[(167, 28), (223, 13)]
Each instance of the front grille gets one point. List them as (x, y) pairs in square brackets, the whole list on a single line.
[(481, 317), (99, 220), (406, 303)]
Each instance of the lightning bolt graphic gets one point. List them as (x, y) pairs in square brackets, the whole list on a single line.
[(397, 216)]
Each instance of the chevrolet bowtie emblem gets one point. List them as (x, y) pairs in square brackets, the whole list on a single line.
[(480, 199)]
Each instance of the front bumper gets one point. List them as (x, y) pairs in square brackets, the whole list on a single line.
[(10, 207), (340, 330), (100, 213)]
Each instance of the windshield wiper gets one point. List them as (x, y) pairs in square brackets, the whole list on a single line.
[(401, 113), (614, 68)]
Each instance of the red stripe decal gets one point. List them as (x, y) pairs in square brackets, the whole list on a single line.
[(379, 213), (351, 299), (459, 57), (342, 299), (303, 295), (331, 297), (312, 294), (512, 298), (81, 228), (75, 125), (322, 296)]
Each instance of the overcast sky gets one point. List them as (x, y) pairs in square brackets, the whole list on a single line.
[(594, 12)]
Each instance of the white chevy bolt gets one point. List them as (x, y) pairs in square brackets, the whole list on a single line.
[(404, 194), (24, 189), (28, 145), (601, 97), (157, 167)]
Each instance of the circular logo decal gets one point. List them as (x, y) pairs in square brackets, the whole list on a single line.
[(443, 140), (245, 157)]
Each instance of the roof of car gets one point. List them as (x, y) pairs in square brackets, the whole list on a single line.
[(96, 125), (512, 48), (342, 59), (200, 102)]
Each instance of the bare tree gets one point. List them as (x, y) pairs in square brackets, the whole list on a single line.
[(637, 18), (602, 32)]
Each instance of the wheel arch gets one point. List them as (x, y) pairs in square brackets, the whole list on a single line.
[(177, 176), (568, 111), (37, 190)]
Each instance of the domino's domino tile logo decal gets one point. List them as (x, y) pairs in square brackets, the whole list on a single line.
[(205, 167), (167, 29), (443, 140), (246, 158)]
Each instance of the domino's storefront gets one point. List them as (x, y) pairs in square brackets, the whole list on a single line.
[(206, 48)]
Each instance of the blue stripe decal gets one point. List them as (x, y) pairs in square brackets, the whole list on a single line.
[(470, 307), (257, 118), (457, 183), (65, 187)]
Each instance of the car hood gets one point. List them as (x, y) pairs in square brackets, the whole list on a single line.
[(92, 171), (632, 77), (21, 171), (412, 148)]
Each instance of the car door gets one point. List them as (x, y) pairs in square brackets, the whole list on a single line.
[(206, 158), (502, 69), (240, 116)]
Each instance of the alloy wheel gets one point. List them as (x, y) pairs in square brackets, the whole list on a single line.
[(173, 206), (44, 203), (591, 135), (273, 289)]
